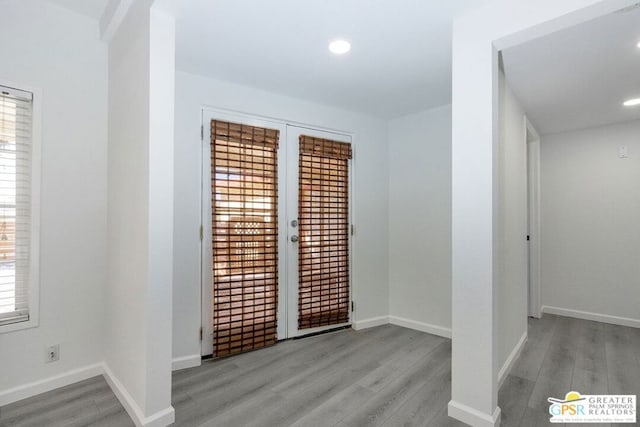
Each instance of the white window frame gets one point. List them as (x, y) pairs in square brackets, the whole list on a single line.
[(34, 248)]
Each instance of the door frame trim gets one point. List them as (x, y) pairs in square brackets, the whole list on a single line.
[(209, 111), (532, 144)]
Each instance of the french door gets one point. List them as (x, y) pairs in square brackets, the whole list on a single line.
[(319, 224), (276, 232)]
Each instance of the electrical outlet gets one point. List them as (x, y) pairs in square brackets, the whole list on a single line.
[(53, 353)]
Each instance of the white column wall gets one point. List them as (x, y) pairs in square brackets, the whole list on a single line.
[(160, 294), (140, 180)]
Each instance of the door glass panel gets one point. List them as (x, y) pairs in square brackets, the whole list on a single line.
[(323, 251), (244, 206)]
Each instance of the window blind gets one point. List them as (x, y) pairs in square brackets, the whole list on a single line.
[(245, 236), (323, 213), (16, 109)]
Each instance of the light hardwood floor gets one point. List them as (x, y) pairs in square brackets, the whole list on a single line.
[(564, 354), (386, 376)]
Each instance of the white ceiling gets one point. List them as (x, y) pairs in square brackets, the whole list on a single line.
[(579, 77), (400, 60), (91, 8)]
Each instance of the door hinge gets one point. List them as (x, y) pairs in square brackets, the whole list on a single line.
[(202, 133), (353, 230), (201, 233), (201, 332), (353, 306)]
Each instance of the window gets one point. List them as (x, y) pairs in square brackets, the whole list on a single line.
[(18, 297)]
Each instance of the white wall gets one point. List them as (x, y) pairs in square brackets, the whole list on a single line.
[(590, 206), (370, 261), (128, 203), (160, 258), (511, 244), (477, 37), (138, 321), (60, 52), (420, 218)]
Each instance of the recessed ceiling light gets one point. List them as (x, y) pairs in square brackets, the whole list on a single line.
[(339, 47), (632, 102), (638, 45)]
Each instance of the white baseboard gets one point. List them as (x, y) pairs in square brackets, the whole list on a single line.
[(508, 364), (472, 416), (370, 323), (420, 326), (159, 419), (186, 362), (162, 418), (605, 318), (34, 388)]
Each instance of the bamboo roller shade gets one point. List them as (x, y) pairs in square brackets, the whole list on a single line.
[(323, 214), (244, 206)]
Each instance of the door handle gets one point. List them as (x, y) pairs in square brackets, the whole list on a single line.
[(294, 238)]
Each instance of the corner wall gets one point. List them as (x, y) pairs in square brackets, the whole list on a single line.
[(420, 220), (125, 336), (139, 291), (420, 223), (60, 52), (590, 206)]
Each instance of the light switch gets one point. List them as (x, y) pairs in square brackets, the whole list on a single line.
[(623, 152)]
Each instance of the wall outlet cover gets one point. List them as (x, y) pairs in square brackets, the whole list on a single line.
[(53, 353)]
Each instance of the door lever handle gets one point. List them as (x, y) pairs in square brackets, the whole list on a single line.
[(294, 238)]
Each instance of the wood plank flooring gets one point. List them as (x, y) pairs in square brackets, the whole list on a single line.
[(387, 376), (564, 354)]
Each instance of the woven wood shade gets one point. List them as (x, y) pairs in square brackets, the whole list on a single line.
[(323, 213), (245, 236)]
